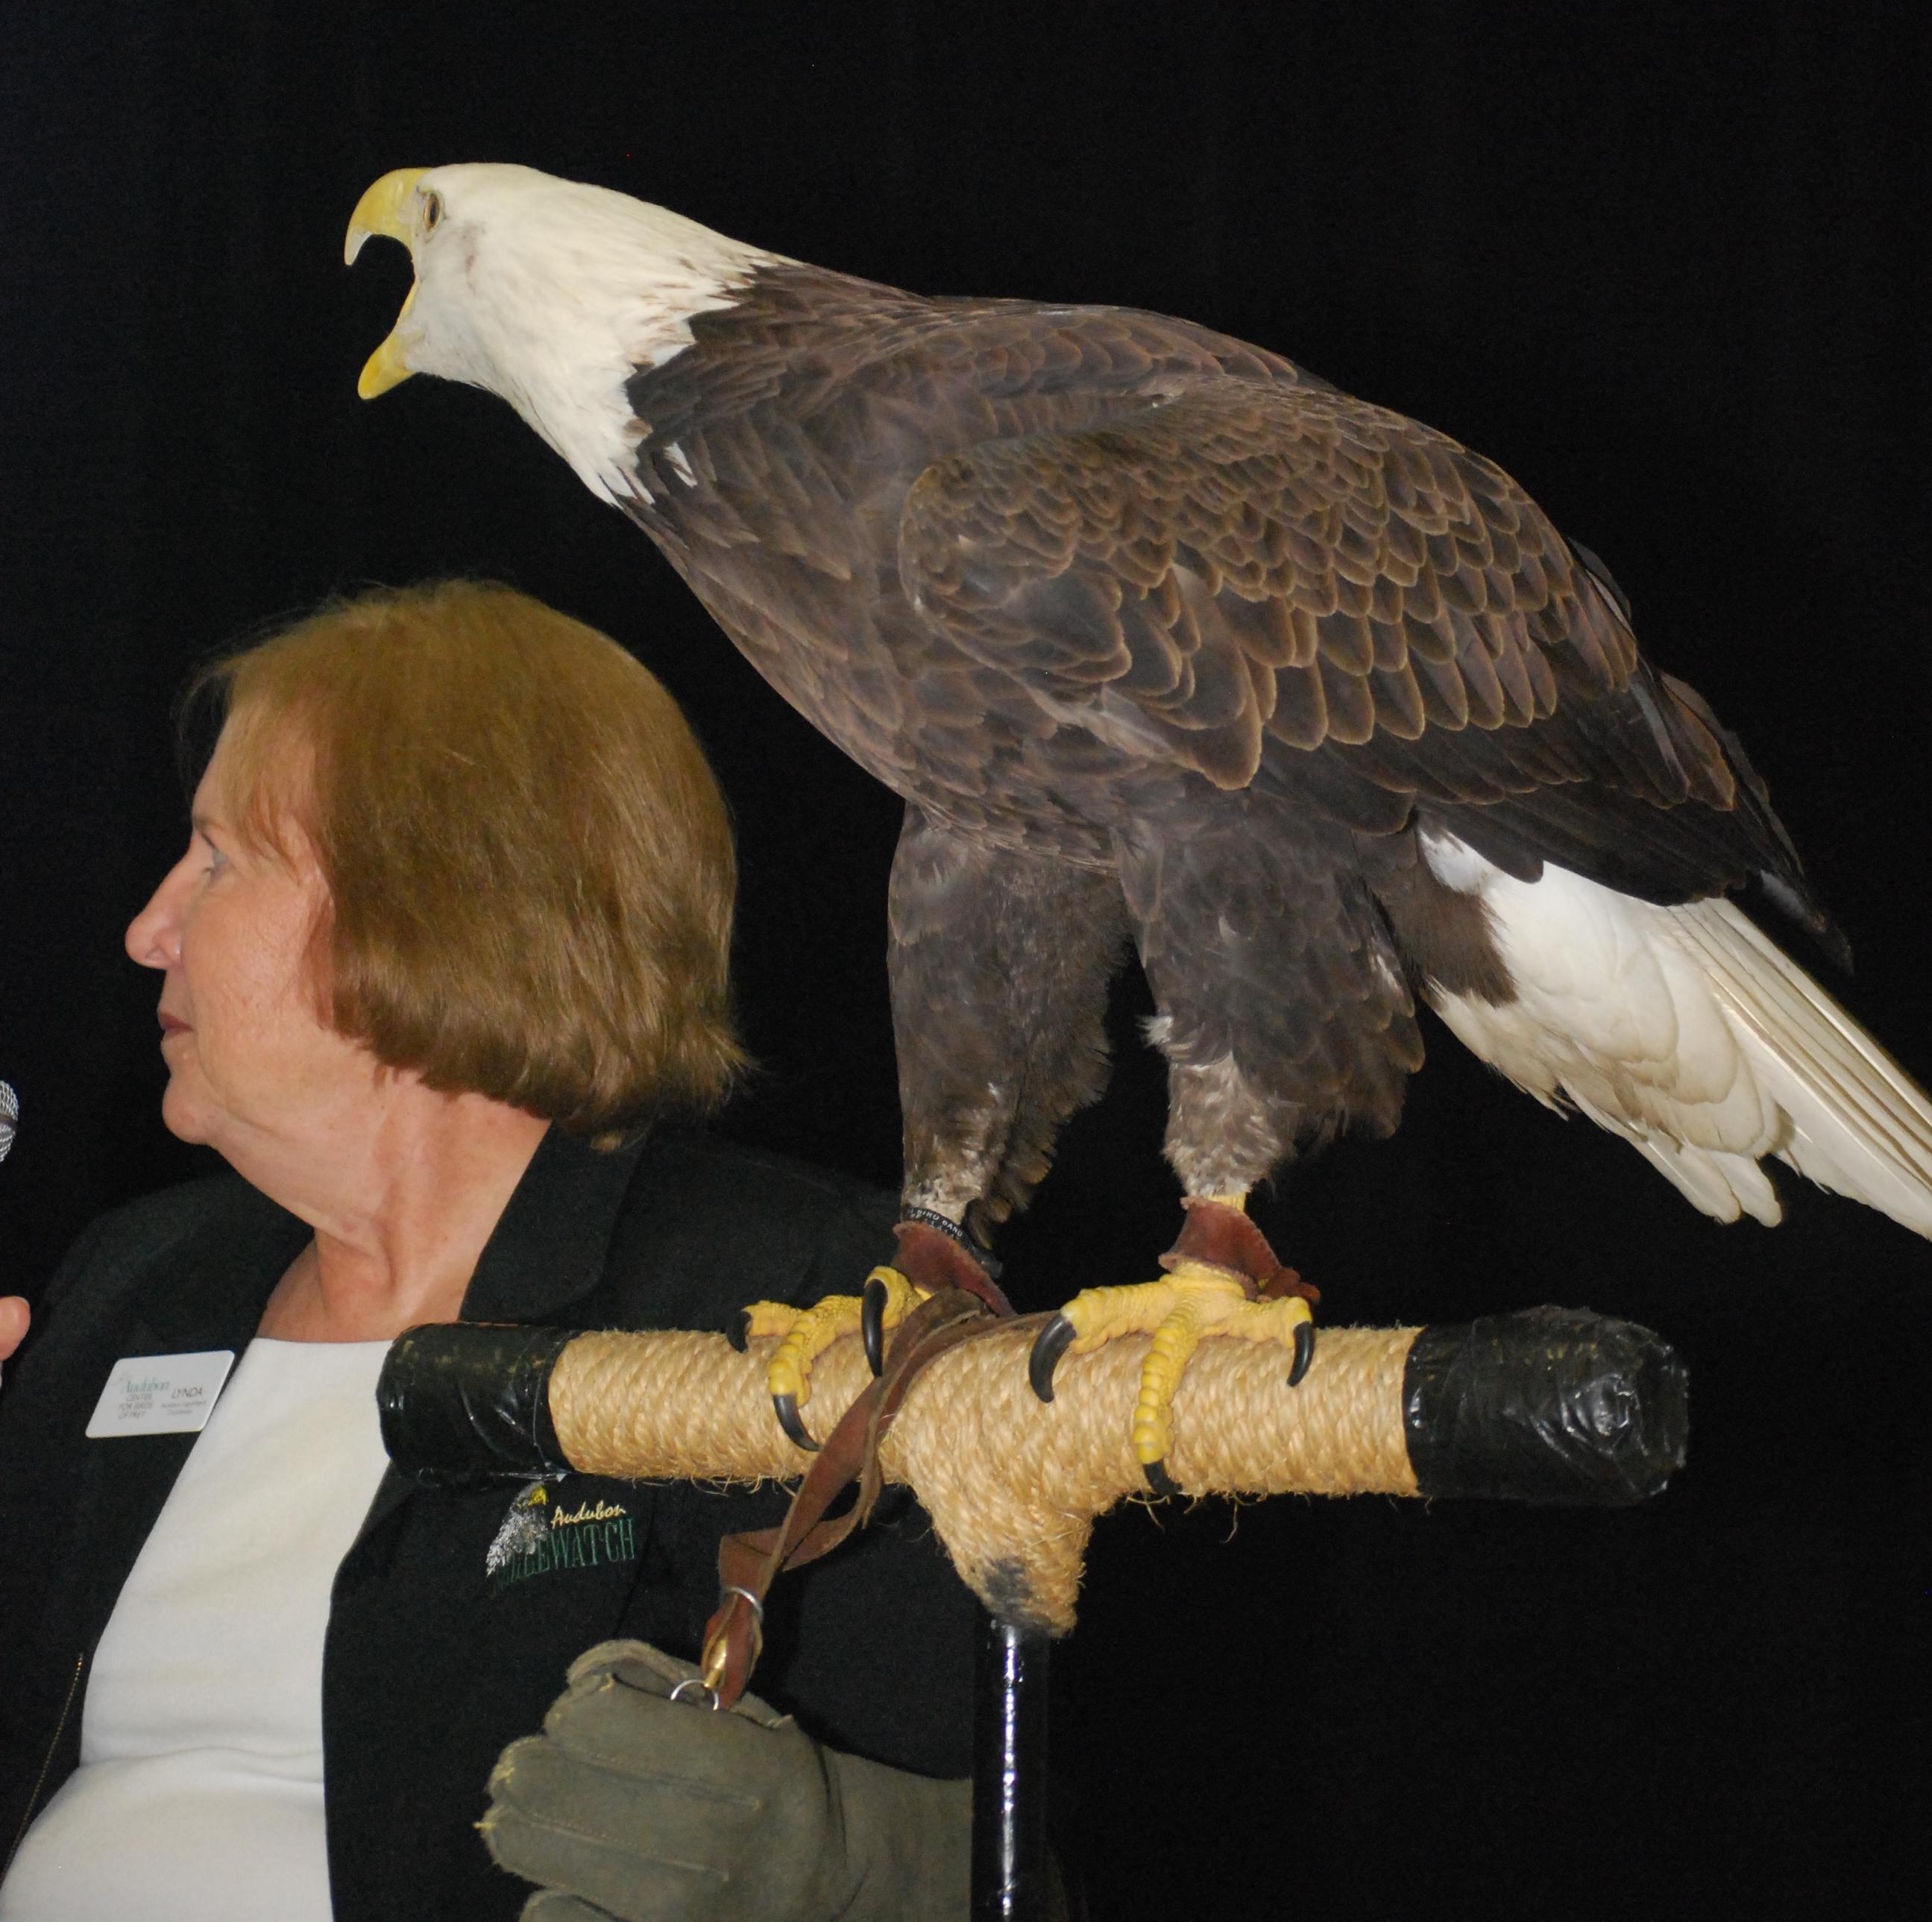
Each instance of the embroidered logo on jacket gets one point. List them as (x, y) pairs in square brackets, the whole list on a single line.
[(540, 1536)]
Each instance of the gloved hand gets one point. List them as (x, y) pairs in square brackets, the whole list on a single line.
[(633, 1806)]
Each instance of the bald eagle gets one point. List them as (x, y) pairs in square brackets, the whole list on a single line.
[(1167, 644)]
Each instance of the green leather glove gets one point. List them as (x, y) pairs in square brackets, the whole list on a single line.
[(630, 1805)]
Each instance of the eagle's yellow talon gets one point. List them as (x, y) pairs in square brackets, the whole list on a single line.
[(1186, 1307), (888, 1298), (901, 1296), (762, 1319), (812, 1330), (805, 1333)]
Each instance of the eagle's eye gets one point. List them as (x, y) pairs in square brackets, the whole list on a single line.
[(432, 211)]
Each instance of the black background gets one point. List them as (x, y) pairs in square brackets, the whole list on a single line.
[(1659, 262)]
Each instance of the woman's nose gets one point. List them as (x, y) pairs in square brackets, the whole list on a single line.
[(153, 935)]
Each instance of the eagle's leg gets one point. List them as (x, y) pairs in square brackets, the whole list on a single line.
[(1283, 1009), (1000, 962), (1223, 1279)]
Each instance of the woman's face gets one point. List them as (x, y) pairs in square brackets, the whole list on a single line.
[(252, 1067)]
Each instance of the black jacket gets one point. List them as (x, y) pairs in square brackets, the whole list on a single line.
[(432, 1664)]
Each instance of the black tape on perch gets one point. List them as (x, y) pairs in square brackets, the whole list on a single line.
[(1547, 1404), (465, 1402)]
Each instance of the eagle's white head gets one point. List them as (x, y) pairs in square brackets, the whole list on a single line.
[(546, 293)]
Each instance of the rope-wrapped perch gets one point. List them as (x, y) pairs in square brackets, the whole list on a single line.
[(1550, 1405)]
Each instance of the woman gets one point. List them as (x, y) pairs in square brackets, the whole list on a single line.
[(444, 958)]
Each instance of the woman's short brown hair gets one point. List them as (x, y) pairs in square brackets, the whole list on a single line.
[(529, 863)]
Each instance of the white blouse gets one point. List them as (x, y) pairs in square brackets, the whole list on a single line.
[(198, 1795)]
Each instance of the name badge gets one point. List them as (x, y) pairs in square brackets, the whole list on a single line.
[(160, 1394)]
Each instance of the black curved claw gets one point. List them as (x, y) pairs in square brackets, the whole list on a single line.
[(872, 1324), (1158, 1479), (739, 1332), (785, 1407), (1304, 1352), (1048, 1345)]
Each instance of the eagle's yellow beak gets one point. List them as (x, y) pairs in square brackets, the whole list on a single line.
[(384, 209)]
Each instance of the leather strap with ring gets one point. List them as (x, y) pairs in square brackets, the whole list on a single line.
[(748, 1563)]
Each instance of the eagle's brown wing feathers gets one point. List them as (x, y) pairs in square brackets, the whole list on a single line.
[(1251, 579)]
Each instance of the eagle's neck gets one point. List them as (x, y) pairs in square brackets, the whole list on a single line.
[(591, 295)]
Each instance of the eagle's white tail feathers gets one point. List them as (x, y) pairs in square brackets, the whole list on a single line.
[(1687, 1031), (1725, 1185), (1856, 1124)]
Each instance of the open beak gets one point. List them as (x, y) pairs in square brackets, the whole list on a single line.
[(384, 209)]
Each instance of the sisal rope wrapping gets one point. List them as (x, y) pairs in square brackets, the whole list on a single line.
[(1013, 1485)]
